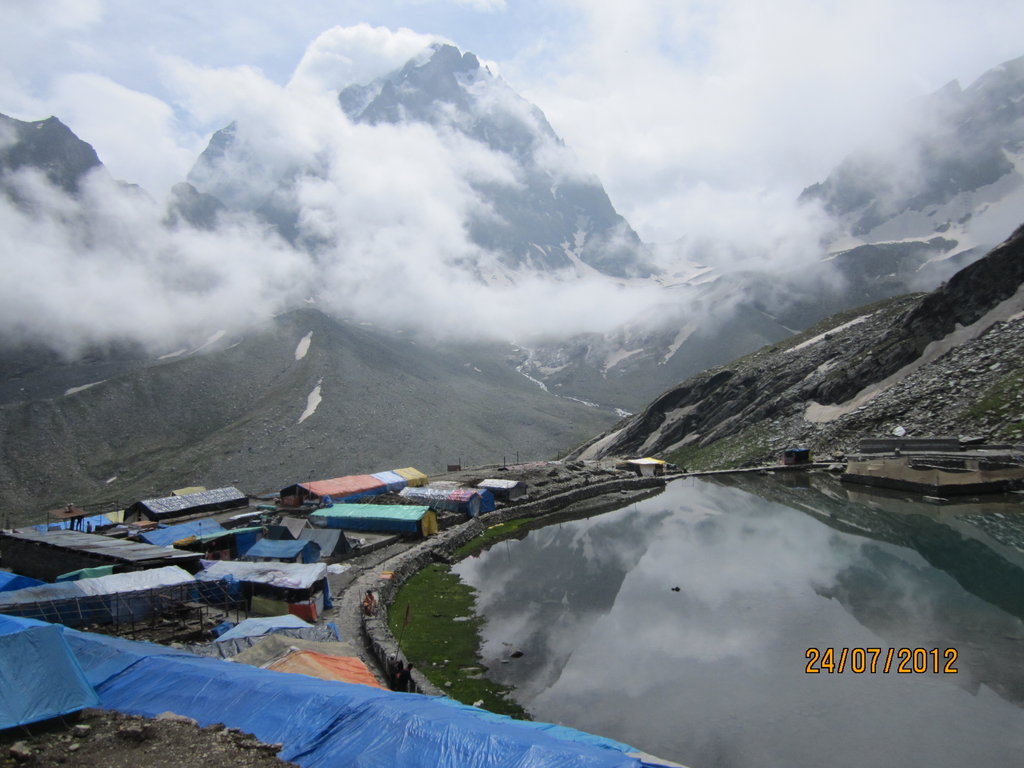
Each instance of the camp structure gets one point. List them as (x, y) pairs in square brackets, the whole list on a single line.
[(466, 501), (407, 519), (206, 537), (47, 555), (169, 535), (393, 482), (413, 477), (263, 625), (333, 542), (647, 467), (326, 723), (115, 599), (504, 490), (345, 489), (201, 502), (283, 550), (275, 588), (41, 677)]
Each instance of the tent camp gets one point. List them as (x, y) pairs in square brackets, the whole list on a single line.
[(326, 723), (466, 501), (274, 588), (409, 519), (169, 507), (284, 550), (101, 600), (412, 476), (333, 542), (40, 678), (257, 627), (393, 482), (504, 490), (340, 489), (165, 537)]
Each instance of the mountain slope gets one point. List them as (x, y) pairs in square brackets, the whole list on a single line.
[(951, 361), (311, 397)]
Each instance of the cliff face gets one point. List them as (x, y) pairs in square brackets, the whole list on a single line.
[(946, 362)]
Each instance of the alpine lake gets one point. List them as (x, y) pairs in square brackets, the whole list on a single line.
[(748, 621)]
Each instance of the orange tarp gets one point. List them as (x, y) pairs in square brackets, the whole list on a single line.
[(342, 487), (345, 669)]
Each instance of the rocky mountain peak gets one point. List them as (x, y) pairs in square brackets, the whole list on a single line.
[(49, 146)]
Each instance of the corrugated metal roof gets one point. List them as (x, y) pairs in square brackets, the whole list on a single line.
[(176, 504), (104, 546)]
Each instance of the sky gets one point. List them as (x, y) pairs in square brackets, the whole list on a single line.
[(700, 118)]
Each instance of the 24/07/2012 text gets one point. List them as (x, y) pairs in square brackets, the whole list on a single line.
[(904, 661)]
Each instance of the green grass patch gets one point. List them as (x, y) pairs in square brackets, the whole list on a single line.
[(445, 650), (493, 534)]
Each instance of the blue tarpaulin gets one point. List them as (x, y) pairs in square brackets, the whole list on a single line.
[(165, 537), (328, 723), (393, 481), (10, 582), (263, 626), (40, 678), (286, 550)]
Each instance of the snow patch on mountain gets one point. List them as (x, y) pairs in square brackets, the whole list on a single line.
[(302, 349), (313, 401)]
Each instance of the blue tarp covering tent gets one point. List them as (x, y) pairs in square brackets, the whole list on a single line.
[(393, 481), (325, 723), (165, 537), (262, 626), (40, 677), (286, 550), (10, 582)]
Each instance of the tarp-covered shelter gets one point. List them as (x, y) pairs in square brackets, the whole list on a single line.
[(165, 537), (407, 519), (102, 600), (466, 501), (502, 489), (324, 723), (344, 669), (47, 555), (201, 502), (258, 626), (227, 649), (40, 678), (412, 476), (10, 582), (275, 588), (333, 542), (284, 550), (340, 489), (393, 482), (87, 573), (647, 467)]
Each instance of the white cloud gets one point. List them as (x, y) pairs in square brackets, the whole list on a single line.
[(133, 133), (359, 54)]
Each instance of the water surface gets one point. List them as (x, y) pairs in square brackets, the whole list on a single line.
[(680, 625)]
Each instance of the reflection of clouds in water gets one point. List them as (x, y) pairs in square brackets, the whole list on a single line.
[(714, 674)]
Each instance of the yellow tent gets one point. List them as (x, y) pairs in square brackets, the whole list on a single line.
[(412, 476)]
